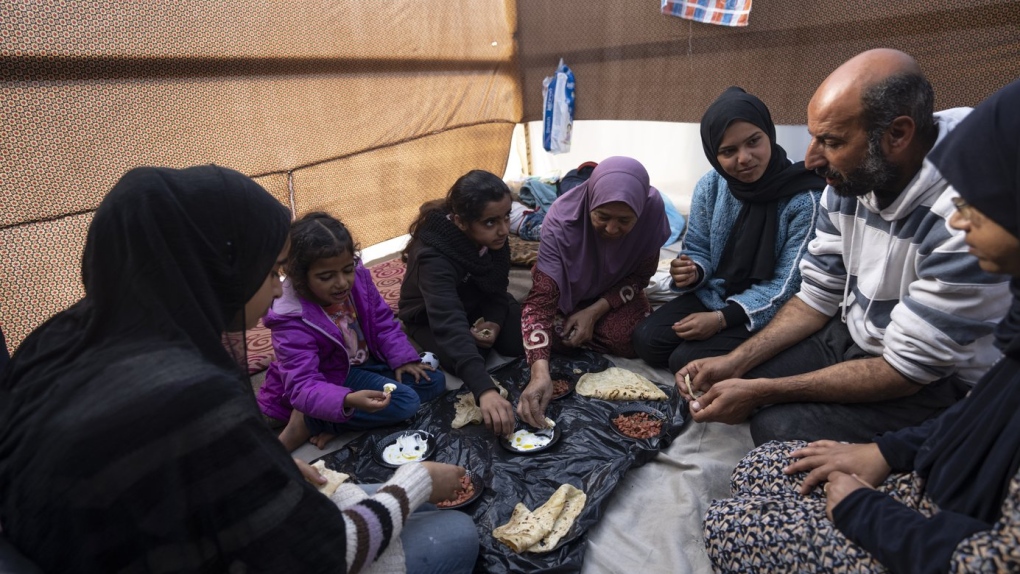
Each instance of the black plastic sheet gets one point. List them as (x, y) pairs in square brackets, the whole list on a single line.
[(589, 455)]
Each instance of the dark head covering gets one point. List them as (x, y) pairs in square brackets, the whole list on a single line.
[(981, 160), (583, 264), (974, 450), (171, 255), (113, 411), (749, 255)]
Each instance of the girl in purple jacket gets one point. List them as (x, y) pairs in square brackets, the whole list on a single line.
[(337, 344)]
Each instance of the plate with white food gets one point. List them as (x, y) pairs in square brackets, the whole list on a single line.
[(402, 447), (528, 440)]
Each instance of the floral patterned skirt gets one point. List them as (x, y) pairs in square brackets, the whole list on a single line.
[(768, 526)]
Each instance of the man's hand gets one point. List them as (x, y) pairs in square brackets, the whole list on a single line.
[(705, 372), (821, 458), (731, 401), (497, 413)]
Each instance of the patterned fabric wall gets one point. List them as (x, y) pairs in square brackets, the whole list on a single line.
[(633, 63), (367, 109), (363, 109)]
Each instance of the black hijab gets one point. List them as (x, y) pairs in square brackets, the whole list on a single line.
[(125, 424), (981, 159), (749, 255), (971, 456), (101, 402), (171, 257)]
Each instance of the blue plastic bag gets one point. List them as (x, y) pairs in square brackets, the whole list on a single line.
[(558, 95)]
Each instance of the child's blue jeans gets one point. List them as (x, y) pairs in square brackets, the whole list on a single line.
[(437, 541), (404, 401)]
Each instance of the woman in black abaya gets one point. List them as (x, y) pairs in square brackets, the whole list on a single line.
[(129, 437)]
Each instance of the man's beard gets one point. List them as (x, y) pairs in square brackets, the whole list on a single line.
[(875, 174)]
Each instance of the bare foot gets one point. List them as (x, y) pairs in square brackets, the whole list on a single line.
[(296, 432), (320, 440)]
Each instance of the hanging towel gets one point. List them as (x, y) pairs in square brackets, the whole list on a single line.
[(721, 12)]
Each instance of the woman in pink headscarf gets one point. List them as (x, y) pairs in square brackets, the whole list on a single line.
[(600, 245)]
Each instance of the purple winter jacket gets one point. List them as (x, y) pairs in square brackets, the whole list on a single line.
[(311, 361)]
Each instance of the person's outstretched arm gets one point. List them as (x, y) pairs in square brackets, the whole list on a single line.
[(537, 329)]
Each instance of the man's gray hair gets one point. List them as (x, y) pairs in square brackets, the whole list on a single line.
[(906, 94)]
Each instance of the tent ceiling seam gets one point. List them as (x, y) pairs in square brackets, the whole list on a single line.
[(47, 67), (290, 194), (46, 219), (383, 146)]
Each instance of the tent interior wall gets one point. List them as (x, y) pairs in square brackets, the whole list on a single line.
[(367, 109)]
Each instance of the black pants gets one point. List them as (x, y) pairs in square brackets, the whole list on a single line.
[(656, 343), (852, 422), (509, 342)]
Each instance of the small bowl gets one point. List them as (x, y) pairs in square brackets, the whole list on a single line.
[(476, 481), (556, 432), (430, 447), (634, 409), (570, 388)]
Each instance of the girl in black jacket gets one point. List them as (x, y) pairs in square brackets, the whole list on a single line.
[(454, 298)]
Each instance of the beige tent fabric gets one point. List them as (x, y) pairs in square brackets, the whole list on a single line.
[(378, 192), (41, 272), (366, 109), (363, 109), (633, 63)]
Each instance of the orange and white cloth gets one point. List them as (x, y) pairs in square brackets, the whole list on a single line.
[(721, 12)]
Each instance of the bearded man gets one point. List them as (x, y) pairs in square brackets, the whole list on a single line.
[(893, 323)]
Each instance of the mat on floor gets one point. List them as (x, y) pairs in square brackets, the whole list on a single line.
[(589, 455)]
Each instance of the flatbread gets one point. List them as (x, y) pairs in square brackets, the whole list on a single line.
[(572, 507), (468, 412), (616, 384), (690, 388), (524, 529), (541, 530), (333, 478)]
